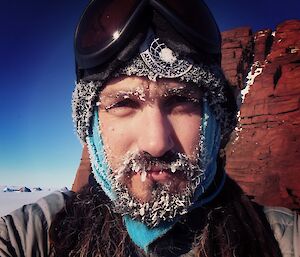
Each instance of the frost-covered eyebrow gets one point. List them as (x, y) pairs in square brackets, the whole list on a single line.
[(164, 90), (183, 90), (138, 92)]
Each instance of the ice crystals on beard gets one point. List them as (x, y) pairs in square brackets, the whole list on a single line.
[(154, 206), (135, 167), (173, 169), (143, 176), (142, 211), (130, 203), (154, 218)]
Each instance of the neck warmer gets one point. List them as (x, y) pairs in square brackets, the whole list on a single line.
[(209, 144)]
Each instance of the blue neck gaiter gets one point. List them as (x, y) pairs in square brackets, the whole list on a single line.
[(141, 234)]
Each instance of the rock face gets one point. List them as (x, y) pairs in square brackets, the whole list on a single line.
[(264, 157), (237, 48)]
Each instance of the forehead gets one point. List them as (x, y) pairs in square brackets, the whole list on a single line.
[(128, 84)]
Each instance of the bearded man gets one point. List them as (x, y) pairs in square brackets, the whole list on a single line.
[(155, 111)]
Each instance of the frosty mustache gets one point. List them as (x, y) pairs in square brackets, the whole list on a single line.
[(170, 162)]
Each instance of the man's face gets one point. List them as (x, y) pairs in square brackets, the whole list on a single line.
[(138, 115), (152, 121)]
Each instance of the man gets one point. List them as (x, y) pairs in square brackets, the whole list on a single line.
[(155, 111)]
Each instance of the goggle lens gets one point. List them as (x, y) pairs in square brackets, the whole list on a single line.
[(102, 23), (197, 17)]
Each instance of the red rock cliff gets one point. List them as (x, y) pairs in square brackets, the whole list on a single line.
[(264, 156)]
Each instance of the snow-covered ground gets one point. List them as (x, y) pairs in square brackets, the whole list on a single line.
[(10, 201)]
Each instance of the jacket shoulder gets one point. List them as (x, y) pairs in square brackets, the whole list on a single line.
[(24, 232), (286, 227)]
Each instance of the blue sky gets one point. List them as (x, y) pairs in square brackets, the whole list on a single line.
[(38, 145)]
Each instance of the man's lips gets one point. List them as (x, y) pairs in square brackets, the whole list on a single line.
[(158, 175)]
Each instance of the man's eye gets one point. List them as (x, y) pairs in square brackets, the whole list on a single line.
[(122, 105), (183, 103)]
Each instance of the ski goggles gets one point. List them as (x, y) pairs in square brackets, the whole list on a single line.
[(107, 25)]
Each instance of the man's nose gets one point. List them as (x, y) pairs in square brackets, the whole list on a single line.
[(155, 137)]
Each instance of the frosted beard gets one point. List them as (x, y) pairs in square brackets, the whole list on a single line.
[(166, 201)]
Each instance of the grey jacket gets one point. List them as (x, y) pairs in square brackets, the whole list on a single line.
[(24, 232)]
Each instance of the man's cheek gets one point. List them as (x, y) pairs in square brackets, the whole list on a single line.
[(110, 140), (189, 138)]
